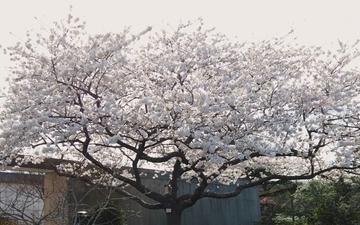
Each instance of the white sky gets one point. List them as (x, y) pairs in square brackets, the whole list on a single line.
[(318, 22)]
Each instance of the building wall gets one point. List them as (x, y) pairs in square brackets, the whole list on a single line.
[(33, 198), (241, 210), (20, 200), (21, 197)]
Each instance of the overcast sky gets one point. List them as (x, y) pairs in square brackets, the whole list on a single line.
[(316, 22)]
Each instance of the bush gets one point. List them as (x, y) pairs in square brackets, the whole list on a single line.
[(316, 203)]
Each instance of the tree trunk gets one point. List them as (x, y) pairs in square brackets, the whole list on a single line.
[(173, 218)]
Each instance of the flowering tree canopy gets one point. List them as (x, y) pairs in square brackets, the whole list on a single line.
[(188, 101)]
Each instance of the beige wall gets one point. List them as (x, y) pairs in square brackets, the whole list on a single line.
[(55, 190)]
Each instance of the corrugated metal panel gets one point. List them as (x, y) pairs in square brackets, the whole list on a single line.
[(241, 210)]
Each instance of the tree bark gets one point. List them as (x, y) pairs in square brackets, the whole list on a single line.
[(173, 218)]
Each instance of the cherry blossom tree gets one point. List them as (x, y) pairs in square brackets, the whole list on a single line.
[(187, 101)]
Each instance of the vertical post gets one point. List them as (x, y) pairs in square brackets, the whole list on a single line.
[(173, 218), (55, 207)]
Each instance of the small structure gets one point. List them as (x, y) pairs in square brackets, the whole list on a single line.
[(63, 197)]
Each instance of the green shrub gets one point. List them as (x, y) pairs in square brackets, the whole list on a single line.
[(319, 202)]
